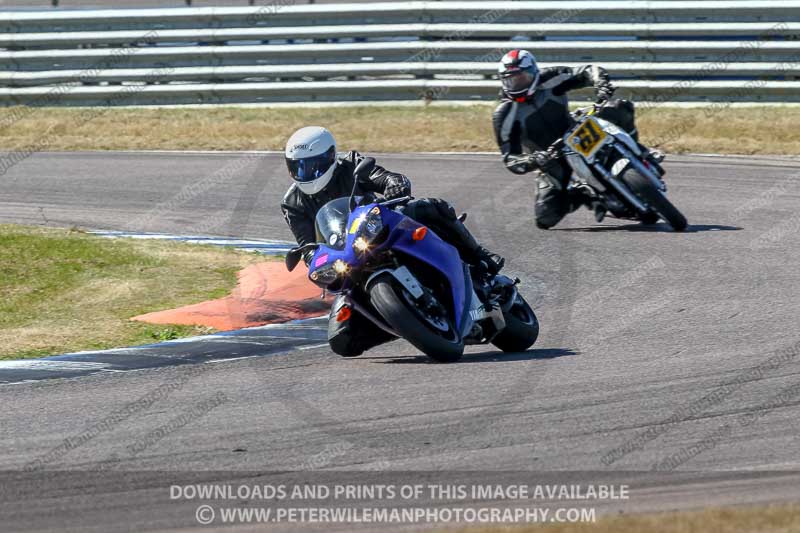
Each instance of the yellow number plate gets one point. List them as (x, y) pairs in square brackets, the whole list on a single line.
[(587, 138)]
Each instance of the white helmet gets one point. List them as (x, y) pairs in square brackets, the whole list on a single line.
[(311, 158)]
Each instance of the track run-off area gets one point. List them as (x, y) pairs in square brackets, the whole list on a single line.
[(670, 360)]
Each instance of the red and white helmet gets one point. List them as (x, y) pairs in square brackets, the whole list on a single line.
[(519, 74)]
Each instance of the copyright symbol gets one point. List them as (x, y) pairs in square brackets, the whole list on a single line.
[(204, 515)]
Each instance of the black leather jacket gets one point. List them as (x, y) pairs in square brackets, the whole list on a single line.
[(535, 122), (299, 209)]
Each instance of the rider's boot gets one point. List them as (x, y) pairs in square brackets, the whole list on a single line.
[(475, 253), (494, 262), (581, 195), (655, 157)]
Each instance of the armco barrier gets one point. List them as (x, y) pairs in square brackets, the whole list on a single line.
[(738, 50)]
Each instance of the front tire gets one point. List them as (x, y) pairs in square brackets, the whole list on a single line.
[(522, 328), (644, 189), (649, 218), (441, 342)]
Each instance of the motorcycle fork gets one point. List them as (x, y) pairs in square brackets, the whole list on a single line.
[(643, 169), (620, 188), (369, 315)]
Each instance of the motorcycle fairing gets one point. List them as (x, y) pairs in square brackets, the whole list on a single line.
[(431, 250)]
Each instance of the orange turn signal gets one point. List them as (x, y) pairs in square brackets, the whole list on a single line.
[(343, 315), (419, 233)]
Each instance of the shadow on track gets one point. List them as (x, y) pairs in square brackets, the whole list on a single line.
[(653, 228), (495, 356)]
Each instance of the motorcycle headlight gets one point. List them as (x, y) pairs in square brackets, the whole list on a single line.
[(340, 267), (360, 244), (329, 273)]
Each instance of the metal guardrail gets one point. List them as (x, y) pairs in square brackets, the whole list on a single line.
[(354, 70), (665, 50), (332, 91), (286, 12), (384, 31)]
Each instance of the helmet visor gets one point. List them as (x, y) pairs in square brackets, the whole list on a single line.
[(518, 81), (311, 168)]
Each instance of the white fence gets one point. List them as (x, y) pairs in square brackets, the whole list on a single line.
[(739, 50)]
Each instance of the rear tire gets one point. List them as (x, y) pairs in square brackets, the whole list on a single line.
[(644, 189), (386, 295), (522, 328)]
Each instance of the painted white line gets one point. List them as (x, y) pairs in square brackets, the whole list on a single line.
[(257, 152), (178, 152), (231, 359), (294, 325), (772, 157), (421, 103), (51, 365), (262, 246), (318, 105), (772, 467), (313, 346), (213, 336)]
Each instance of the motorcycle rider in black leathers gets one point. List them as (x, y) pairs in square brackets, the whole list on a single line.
[(534, 113), (321, 176)]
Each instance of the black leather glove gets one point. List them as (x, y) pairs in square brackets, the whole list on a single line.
[(518, 164), (396, 189), (605, 93), (541, 159), (371, 198)]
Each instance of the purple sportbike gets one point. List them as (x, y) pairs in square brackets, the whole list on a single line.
[(409, 282)]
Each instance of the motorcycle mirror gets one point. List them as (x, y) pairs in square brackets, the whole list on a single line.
[(362, 172), (294, 255), (364, 168), (292, 258)]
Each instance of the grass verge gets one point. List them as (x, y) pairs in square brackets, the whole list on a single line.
[(65, 290), (741, 130), (771, 519)]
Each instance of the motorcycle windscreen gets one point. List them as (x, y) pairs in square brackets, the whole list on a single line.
[(331, 223)]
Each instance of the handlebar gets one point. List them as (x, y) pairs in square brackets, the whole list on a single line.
[(396, 201), (373, 198), (591, 109)]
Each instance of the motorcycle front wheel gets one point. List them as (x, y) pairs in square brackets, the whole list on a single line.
[(644, 189), (434, 335)]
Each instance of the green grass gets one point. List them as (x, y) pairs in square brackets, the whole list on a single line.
[(64, 290), (719, 129)]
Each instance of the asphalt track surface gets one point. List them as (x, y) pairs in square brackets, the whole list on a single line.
[(685, 345)]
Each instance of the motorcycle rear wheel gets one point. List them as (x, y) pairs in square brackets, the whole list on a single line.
[(436, 338), (522, 328)]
